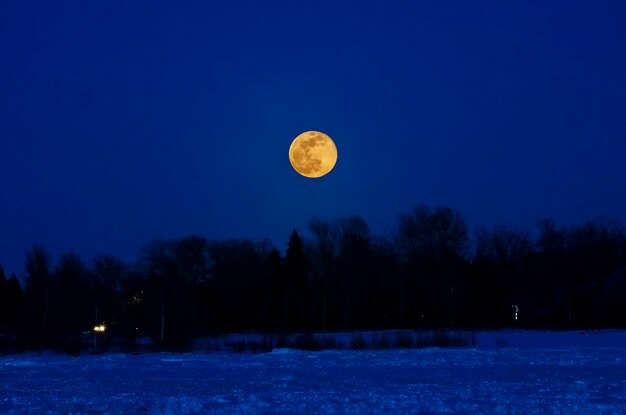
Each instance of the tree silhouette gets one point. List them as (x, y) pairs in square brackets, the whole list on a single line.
[(13, 304), (502, 255), (296, 283), (432, 245), (344, 278), (323, 259), (354, 269), (108, 298), (173, 270), (3, 300), (240, 274), (35, 331), (72, 312)]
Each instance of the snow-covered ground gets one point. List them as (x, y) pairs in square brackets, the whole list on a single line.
[(506, 373)]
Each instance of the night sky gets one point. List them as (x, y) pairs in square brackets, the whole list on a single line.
[(125, 122)]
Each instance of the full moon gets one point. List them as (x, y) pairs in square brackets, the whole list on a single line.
[(313, 154)]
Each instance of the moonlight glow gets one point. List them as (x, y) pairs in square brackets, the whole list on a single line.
[(313, 154)]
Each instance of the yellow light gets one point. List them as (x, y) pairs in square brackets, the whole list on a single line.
[(100, 328)]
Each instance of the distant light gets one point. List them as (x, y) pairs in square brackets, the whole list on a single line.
[(137, 298), (515, 311), (100, 328)]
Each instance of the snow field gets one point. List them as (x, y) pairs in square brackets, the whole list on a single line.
[(561, 379)]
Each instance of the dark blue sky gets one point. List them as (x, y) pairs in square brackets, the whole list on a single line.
[(123, 122)]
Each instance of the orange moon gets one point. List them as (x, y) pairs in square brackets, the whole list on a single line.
[(313, 154)]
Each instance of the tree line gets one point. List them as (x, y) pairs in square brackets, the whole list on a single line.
[(428, 274)]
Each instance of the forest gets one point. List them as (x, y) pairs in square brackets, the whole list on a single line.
[(428, 273)]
